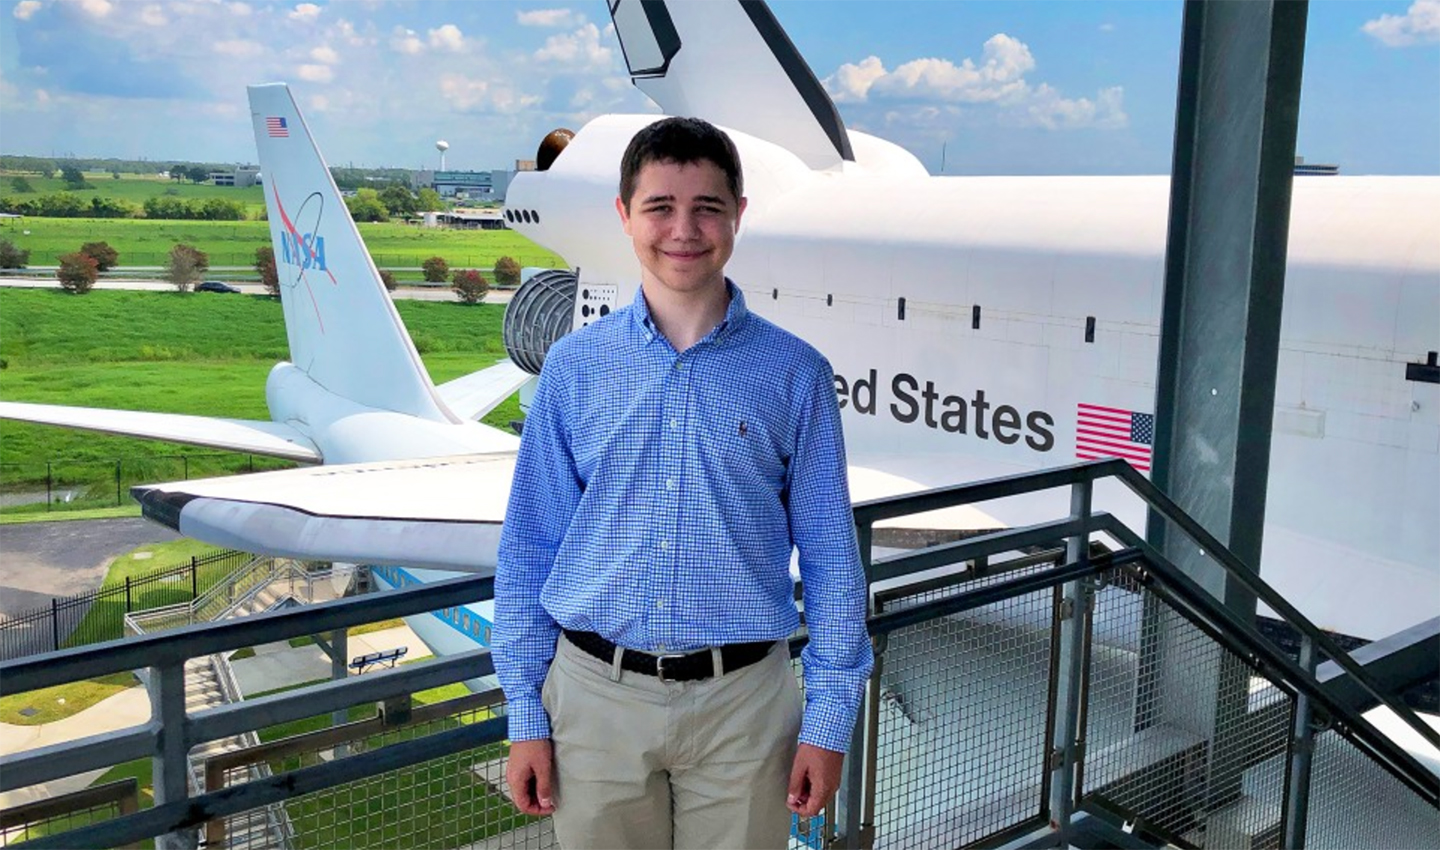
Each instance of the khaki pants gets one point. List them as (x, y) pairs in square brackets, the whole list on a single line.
[(645, 764)]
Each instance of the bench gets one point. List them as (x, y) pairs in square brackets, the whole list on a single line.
[(388, 657)]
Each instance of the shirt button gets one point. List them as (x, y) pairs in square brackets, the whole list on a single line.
[(675, 423), (660, 604), (664, 544), (679, 365), (670, 484)]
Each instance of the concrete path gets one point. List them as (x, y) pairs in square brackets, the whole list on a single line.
[(279, 665), (39, 560)]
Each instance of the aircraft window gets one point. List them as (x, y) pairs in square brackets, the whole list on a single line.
[(774, 295), (537, 216), (975, 317), (829, 300), (1089, 328), (510, 216), (900, 309), (525, 214), (486, 636), (466, 619), (647, 36)]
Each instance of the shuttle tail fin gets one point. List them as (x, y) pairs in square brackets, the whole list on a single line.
[(729, 62), (343, 330)]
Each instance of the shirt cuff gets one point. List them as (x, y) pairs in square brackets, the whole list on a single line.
[(828, 724), (528, 720)]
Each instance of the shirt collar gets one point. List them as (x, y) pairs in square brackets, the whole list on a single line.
[(735, 314)]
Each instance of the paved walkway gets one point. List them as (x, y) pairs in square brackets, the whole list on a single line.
[(275, 665)]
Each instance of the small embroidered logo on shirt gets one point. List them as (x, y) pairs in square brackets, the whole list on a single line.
[(742, 428)]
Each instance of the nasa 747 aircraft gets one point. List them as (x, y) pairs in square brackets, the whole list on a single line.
[(978, 326)]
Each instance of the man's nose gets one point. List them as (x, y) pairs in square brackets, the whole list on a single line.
[(685, 225)]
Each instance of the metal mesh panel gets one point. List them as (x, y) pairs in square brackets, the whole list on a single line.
[(53, 815), (962, 730), (1180, 734), (458, 801), (1356, 803)]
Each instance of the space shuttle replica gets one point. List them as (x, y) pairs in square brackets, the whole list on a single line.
[(978, 327)]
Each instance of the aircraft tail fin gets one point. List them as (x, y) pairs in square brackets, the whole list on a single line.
[(343, 330), (730, 63)]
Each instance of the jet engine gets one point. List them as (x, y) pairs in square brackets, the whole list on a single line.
[(542, 311)]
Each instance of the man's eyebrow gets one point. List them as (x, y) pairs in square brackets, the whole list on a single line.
[(655, 199)]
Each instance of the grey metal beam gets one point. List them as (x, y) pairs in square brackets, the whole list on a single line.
[(1396, 664), (1235, 126)]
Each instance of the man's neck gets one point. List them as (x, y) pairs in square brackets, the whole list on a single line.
[(685, 318)]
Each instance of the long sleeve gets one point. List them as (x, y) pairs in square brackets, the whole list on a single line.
[(839, 657), (543, 498)]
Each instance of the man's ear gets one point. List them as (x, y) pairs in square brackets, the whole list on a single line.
[(739, 211), (624, 214)]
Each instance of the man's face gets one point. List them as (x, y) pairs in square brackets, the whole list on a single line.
[(682, 220)]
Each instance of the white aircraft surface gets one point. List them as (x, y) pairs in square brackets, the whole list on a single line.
[(978, 326)]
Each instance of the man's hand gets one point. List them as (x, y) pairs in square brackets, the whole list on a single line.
[(530, 771), (813, 779)]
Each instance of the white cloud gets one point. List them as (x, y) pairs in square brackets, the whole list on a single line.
[(581, 48), (406, 41), (315, 73), (238, 47), (1419, 25), (325, 54), (305, 12), (94, 8), (240, 10), (447, 37), (546, 18), (25, 8), (1107, 27), (319, 103), (468, 94), (915, 91), (152, 16)]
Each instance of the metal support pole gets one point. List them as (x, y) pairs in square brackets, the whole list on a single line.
[(129, 606), (171, 764), (49, 487), (855, 800), (55, 623), (117, 483), (1065, 755), (339, 649), (1302, 751), (194, 579)]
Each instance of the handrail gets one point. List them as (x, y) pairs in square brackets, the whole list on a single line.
[(868, 512)]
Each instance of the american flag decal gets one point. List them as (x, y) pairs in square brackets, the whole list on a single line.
[(1102, 432), (277, 128)]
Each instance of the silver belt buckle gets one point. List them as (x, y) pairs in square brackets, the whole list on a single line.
[(660, 665)]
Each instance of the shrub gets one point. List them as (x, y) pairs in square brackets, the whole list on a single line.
[(12, 257), (185, 266), (436, 270), (387, 277), (77, 273), (507, 272), (470, 286), (104, 256), (269, 274), (21, 185)]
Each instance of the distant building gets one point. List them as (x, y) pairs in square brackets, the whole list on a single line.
[(240, 177), (467, 219), (472, 185)]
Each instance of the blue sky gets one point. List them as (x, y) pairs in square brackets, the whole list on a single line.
[(1017, 87)]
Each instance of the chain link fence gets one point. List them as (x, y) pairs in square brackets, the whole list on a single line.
[(78, 484)]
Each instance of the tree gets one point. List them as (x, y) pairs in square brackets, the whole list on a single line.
[(398, 200), (74, 178), (365, 205), (21, 185), (197, 173), (104, 256), (12, 257), (470, 286), (429, 200), (115, 175), (77, 273), (436, 270), (111, 208), (269, 274), (507, 272), (185, 266), (387, 277)]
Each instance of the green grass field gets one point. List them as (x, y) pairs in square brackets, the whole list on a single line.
[(168, 352), (135, 188), (142, 242)]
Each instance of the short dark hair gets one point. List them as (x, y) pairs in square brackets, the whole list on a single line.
[(682, 141)]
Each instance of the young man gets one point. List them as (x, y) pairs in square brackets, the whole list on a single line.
[(675, 454)]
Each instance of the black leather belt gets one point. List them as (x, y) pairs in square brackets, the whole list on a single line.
[(677, 667)]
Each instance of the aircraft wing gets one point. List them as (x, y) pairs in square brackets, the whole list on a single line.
[(272, 439), (442, 513), (478, 393)]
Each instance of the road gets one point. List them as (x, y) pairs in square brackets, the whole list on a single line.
[(415, 293), (39, 560)]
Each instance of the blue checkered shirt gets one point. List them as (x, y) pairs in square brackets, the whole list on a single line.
[(657, 499)]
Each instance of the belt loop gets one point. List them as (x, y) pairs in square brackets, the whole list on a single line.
[(717, 661), (616, 670)]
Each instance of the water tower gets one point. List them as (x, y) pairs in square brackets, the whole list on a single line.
[(442, 146)]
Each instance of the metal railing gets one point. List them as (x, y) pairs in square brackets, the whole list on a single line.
[(1014, 695), (99, 615)]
